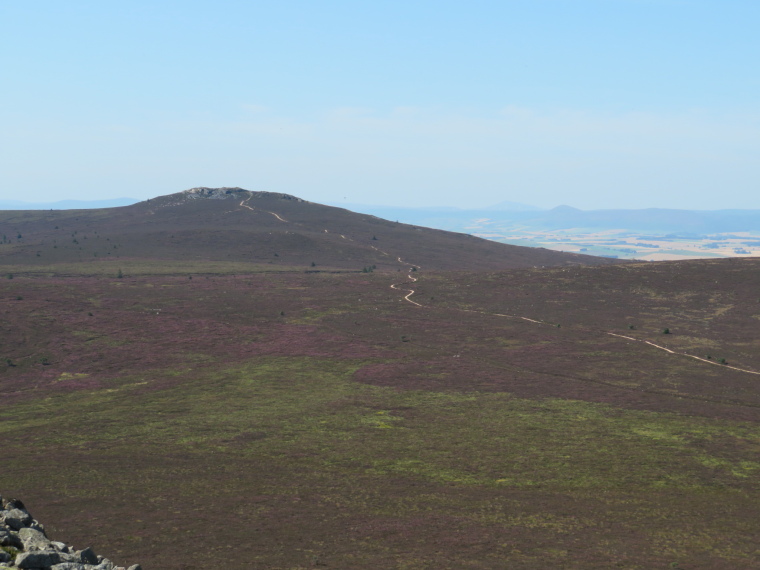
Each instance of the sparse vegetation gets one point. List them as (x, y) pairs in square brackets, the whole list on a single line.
[(12, 552)]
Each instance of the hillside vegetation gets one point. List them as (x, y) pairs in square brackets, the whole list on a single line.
[(373, 412), (231, 224)]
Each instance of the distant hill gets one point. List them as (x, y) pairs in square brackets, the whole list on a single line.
[(233, 224), (650, 219), (659, 220), (66, 204)]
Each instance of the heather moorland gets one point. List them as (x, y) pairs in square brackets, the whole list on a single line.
[(375, 395)]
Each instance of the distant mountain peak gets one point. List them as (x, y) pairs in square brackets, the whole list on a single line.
[(564, 208)]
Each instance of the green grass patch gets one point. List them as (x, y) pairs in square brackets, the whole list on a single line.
[(280, 406), (547, 471)]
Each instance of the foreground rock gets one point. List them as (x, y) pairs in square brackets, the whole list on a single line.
[(24, 544)]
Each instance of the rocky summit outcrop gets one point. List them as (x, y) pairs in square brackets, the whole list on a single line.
[(24, 544), (232, 192)]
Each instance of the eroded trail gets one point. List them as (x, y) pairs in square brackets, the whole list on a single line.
[(412, 268), (244, 204), (705, 360), (411, 292)]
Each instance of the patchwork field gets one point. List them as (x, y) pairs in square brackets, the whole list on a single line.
[(628, 244), (221, 415)]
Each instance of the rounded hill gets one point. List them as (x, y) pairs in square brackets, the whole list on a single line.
[(234, 224)]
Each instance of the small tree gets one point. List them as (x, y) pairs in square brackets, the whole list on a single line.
[(120, 275), (665, 331)]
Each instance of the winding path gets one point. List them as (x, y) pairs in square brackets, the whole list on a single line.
[(657, 346), (410, 292), (244, 204), (685, 354)]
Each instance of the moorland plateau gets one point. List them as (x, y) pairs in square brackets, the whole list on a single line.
[(229, 379)]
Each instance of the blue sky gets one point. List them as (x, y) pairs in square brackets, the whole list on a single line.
[(592, 103)]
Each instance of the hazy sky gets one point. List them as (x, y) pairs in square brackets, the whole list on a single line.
[(592, 103)]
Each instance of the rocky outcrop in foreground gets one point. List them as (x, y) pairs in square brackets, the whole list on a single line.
[(23, 544)]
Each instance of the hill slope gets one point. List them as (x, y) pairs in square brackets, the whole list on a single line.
[(332, 420), (577, 417), (232, 224)]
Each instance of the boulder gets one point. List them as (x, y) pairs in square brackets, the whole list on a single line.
[(38, 559), (16, 518), (11, 504), (60, 546), (10, 538), (87, 556), (29, 548), (33, 539)]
